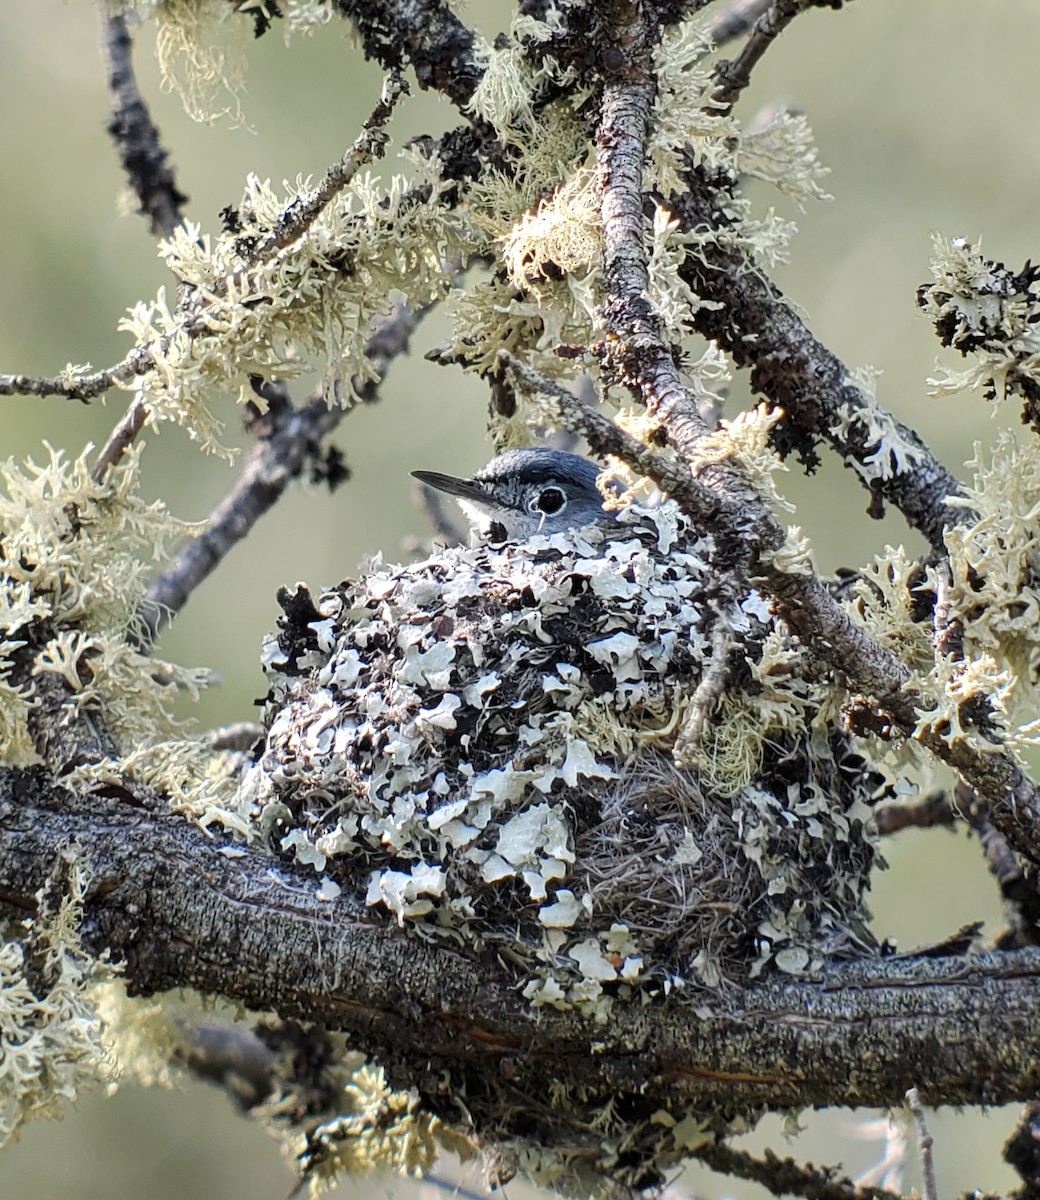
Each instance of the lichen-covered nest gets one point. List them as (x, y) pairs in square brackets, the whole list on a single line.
[(501, 747)]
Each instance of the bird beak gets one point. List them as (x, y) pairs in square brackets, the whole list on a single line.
[(465, 489)]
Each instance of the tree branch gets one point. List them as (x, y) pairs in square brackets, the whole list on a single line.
[(135, 135), (783, 1176), (751, 320), (425, 33), (168, 905)]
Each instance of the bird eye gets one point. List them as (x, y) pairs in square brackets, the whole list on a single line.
[(549, 500)]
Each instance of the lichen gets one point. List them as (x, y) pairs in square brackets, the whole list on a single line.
[(308, 304), (989, 314), (52, 1045), (75, 558), (333, 1111)]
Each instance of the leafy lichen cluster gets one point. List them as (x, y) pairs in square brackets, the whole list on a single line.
[(485, 746)]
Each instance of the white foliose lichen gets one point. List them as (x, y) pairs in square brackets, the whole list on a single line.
[(481, 744)]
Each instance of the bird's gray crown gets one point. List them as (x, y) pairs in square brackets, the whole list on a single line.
[(524, 492)]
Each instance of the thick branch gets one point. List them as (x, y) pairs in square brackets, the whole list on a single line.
[(751, 320), (165, 902)]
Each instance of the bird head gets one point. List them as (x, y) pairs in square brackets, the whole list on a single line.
[(524, 492)]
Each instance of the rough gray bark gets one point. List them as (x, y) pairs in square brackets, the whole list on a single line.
[(175, 912)]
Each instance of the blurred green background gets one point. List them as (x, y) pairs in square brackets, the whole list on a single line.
[(927, 114)]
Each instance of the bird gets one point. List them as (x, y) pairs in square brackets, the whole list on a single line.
[(525, 492)]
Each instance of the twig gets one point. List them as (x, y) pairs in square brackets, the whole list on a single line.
[(75, 386), (1018, 889), (298, 216), (123, 434), (292, 223), (783, 1176), (947, 626), (135, 135), (924, 1145), (734, 76), (273, 463), (735, 19), (712, 684), (455, 1190), (922, 812)]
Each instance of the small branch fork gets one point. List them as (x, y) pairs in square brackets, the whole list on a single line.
[(735, 76)]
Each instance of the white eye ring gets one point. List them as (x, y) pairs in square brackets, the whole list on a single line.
[(548, 502)]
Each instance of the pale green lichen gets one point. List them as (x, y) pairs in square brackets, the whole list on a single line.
[(512, 79), (564, 232), (200, 46), (995, 570), (361, 1125), (52, 1045), (780, 150), (744, 444), (883, 604), (866, 423), (305, 16), (308, 304), (141, 1038), (76, 556)]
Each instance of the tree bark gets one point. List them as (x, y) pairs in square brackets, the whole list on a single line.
[(175, 909)]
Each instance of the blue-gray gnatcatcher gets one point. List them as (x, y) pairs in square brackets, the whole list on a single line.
[(524, 492)]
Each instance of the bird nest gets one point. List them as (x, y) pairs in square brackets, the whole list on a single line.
[(505, 748)]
